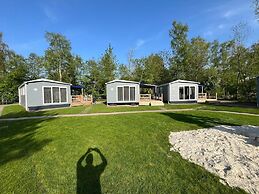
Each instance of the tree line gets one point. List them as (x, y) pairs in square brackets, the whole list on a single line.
[(228, 68)]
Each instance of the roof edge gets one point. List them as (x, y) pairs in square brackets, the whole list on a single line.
[(120, 80), (43, 80)]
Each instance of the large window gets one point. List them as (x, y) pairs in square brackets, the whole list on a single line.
[(186, 92), (132, 93), (192, 92), (47, 95), (63, 94), (180, 93), (120, 93), (54, 95), (126, 93)]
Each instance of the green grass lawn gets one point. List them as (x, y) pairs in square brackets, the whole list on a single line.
[(41, 155), (14, 111), (19, 111), (230, 108)]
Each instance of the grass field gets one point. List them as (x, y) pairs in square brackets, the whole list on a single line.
[(42, 155), (14, 111)]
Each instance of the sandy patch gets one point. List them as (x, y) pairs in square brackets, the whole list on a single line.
[(231, 152)]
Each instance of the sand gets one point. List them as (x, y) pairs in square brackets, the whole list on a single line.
[(231, 152)]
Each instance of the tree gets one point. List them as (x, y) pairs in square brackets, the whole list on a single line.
[(74, 69), (138, 69), (58, 57), (256, 6), (197, 57), (238, 61), (179, 45), (16, 74), (35, 66), (124, 72), (92, 77), (108, 65), (154, 69), (4, 54)]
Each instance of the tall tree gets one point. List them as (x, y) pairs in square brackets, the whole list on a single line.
[(124, 72), (256, 6), (154, 69), (16, 74), (197, 57), (35, 66), (58, 56), (4, 53), (238, 61), (179, 45), (108, 65), (92, 78)]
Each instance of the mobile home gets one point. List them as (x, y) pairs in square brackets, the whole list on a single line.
[(43, 93), (122, 92), (179, 91)]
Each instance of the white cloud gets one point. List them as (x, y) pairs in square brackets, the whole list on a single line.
[(221, 26), (50, 15), (208, 33), (229, 13)]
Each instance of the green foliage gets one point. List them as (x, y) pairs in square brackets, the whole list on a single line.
[(35, 66), (227, 68), (59, 62), (16, 72)]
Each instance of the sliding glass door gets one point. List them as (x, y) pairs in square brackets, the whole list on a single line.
[(126, 93)]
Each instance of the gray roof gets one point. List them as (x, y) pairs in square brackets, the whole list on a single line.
[(181, 81), (184, 81), (122, 81), (44, 80)]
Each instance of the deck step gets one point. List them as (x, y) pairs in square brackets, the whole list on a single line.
[(144, 103), (157, 103), (151, 103)]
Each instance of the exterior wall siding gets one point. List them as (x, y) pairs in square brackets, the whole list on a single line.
[(22, 99), (164, 90), (174, 92), (112, 95), (35, 94)]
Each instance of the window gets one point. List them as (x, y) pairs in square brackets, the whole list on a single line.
[(192, 94), (132, 93), (63, 94), (120, 93), (180, 93), (186, 92), (126, 93), (55, 93), (47, 95)]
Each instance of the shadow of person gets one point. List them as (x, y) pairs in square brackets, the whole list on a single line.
[(88, 176)]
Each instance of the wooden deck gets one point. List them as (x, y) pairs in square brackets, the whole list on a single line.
[(79, 100), (146, 100)]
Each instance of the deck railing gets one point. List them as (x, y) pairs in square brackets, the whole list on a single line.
[(145, 96), (202, 95), (81, 100)]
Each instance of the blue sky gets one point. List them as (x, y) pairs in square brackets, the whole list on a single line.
[(141, 26)]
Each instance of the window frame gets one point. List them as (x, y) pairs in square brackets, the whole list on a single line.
[(182, 87), (184, 99), (51, 92), (122, 86), (190, 92)]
